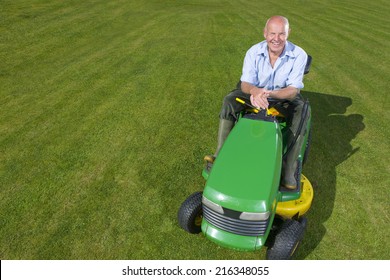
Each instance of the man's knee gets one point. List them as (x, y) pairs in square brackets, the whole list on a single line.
[(230, 107), (230, 98)]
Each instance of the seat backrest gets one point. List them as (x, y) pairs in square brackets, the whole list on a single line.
[(308, 64)]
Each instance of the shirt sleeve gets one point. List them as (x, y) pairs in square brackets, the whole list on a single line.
[(249, 71), (295, 78)]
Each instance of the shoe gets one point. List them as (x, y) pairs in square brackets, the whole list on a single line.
[(290, 187), (209, 159)]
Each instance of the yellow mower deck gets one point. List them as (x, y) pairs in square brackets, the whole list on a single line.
[(300, 206)]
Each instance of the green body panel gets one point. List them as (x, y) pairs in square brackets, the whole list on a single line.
[(205, 174), (287, 196), (245, 176)]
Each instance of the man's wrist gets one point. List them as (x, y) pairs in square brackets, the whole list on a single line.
[(252, 91)]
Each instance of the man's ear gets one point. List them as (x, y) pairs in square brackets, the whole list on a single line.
[(289, 31)]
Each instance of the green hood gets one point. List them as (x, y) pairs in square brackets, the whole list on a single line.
[(245, 176)]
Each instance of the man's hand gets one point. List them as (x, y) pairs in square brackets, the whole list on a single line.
[(259, 97)]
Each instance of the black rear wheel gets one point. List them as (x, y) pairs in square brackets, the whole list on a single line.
[(190, 213)]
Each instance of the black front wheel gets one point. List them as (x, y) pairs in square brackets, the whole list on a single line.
[(190, 213), (287, 240)]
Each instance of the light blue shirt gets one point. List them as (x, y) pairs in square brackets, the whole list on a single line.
[(287, 71)]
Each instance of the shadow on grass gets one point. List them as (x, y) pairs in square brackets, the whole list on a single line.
[(332, 133)]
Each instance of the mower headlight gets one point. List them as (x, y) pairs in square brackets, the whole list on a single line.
[(251, 216), (213, 206)]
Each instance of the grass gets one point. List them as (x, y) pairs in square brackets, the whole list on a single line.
[(107, 108)]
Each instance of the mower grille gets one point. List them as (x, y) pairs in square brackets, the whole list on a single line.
[(234, 225)]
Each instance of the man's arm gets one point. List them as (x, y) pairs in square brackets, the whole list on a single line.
[(260, 95), (250, 89), (288, 93)]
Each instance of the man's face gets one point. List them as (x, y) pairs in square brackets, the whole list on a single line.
[(276, 35)]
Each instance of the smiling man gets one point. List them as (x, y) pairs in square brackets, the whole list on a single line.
[(273, 68)]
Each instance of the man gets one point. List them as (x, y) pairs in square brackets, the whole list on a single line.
[(273, 68)]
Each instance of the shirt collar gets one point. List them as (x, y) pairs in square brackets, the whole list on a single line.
[(288, 50)]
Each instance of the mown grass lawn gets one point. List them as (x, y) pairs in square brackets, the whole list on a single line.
[(107, 108)]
